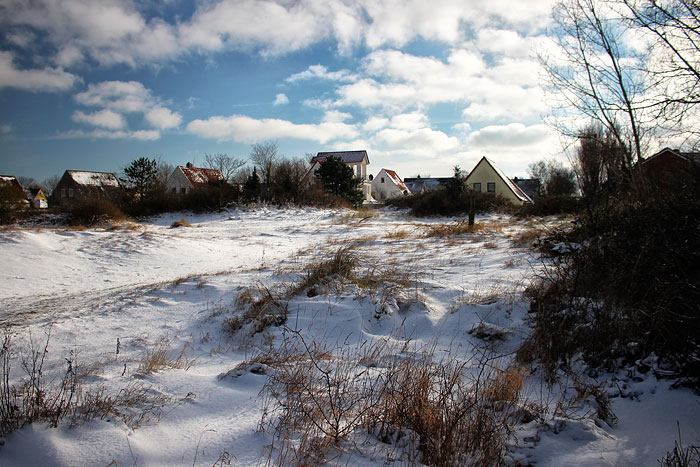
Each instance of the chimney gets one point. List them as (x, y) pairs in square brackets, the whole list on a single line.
[(189, 165)]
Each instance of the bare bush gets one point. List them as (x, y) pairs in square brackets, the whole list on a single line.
[(444, 412)]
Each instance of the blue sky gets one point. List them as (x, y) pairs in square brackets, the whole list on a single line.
[(423, 86)]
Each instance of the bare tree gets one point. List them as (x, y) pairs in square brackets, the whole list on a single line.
[(26, 182), (163, 171), (264, 156), (227, 165), (674, 26), (594, 74), (49, 184)]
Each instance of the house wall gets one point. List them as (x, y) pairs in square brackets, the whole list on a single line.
[(483, 173), (179, 182), (63, 196), (384, 190)]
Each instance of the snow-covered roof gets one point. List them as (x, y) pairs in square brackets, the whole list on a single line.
[(100, 179), (200, 177), (349, 157), (396, 179), (9, 180)]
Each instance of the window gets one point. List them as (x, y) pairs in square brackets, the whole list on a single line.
[(477, 187), (382, 179), (63, 192), (70, 192), (183, 190), (491, 187)]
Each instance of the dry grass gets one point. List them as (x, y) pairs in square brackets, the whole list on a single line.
[(397, 234), (528, 238), (181, 223), (433, 412), (38, 399), (161, 358)]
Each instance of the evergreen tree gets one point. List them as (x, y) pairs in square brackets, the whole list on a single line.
[(251, 187), (338, 179), (141, 175)]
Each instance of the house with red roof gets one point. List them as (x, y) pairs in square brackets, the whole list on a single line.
[(387, 184), (187, 178)]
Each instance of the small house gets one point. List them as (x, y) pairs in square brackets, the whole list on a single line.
[(387, 184), (12, 195), (186, 178), (36, 196), (357, 160), (487, 177), (78, 185), (671, 169)]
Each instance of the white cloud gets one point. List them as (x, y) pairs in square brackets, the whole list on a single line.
[(129, 97), (511, 135), (281, 99), (5, 129), (142, 135), (104, 118), (115, 31), (46, 79), (245, 129), (160, 117), (320, 72)]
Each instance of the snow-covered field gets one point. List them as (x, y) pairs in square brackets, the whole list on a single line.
[(110, 297)]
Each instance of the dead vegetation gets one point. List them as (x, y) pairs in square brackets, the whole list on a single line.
[(162, 357), (181, 223), (436, 411), (37, 398)]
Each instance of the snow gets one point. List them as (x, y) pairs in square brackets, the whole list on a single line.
[(94, 178), (109, 295)]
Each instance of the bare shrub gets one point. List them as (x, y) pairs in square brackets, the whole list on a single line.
[(93, 211), (161, 358), (35, 399), (444, 411)]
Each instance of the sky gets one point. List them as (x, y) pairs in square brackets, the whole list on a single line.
[(421, 85)]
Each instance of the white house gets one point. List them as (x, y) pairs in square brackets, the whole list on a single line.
[(187, 178), (387, 184), (357, 160)]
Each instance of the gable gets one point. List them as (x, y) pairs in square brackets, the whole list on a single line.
[(487, 171)]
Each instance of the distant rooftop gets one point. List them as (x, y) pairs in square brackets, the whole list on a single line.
[(349, 157)]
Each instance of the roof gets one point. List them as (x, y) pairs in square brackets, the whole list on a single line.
[(200, 177), (349, 157), (689, 156), (9, 180), (98, 179), (531, 186), (520, 194), (396, 179)]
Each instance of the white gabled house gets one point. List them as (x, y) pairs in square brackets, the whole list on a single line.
[(186, 178), (387, 184), (357, 160)]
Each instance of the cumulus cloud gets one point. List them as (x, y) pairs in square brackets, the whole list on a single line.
[(115, 31), (245, 129), (160, 117), (46, 79), (281, 99), (104, 118), (119, 97)]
